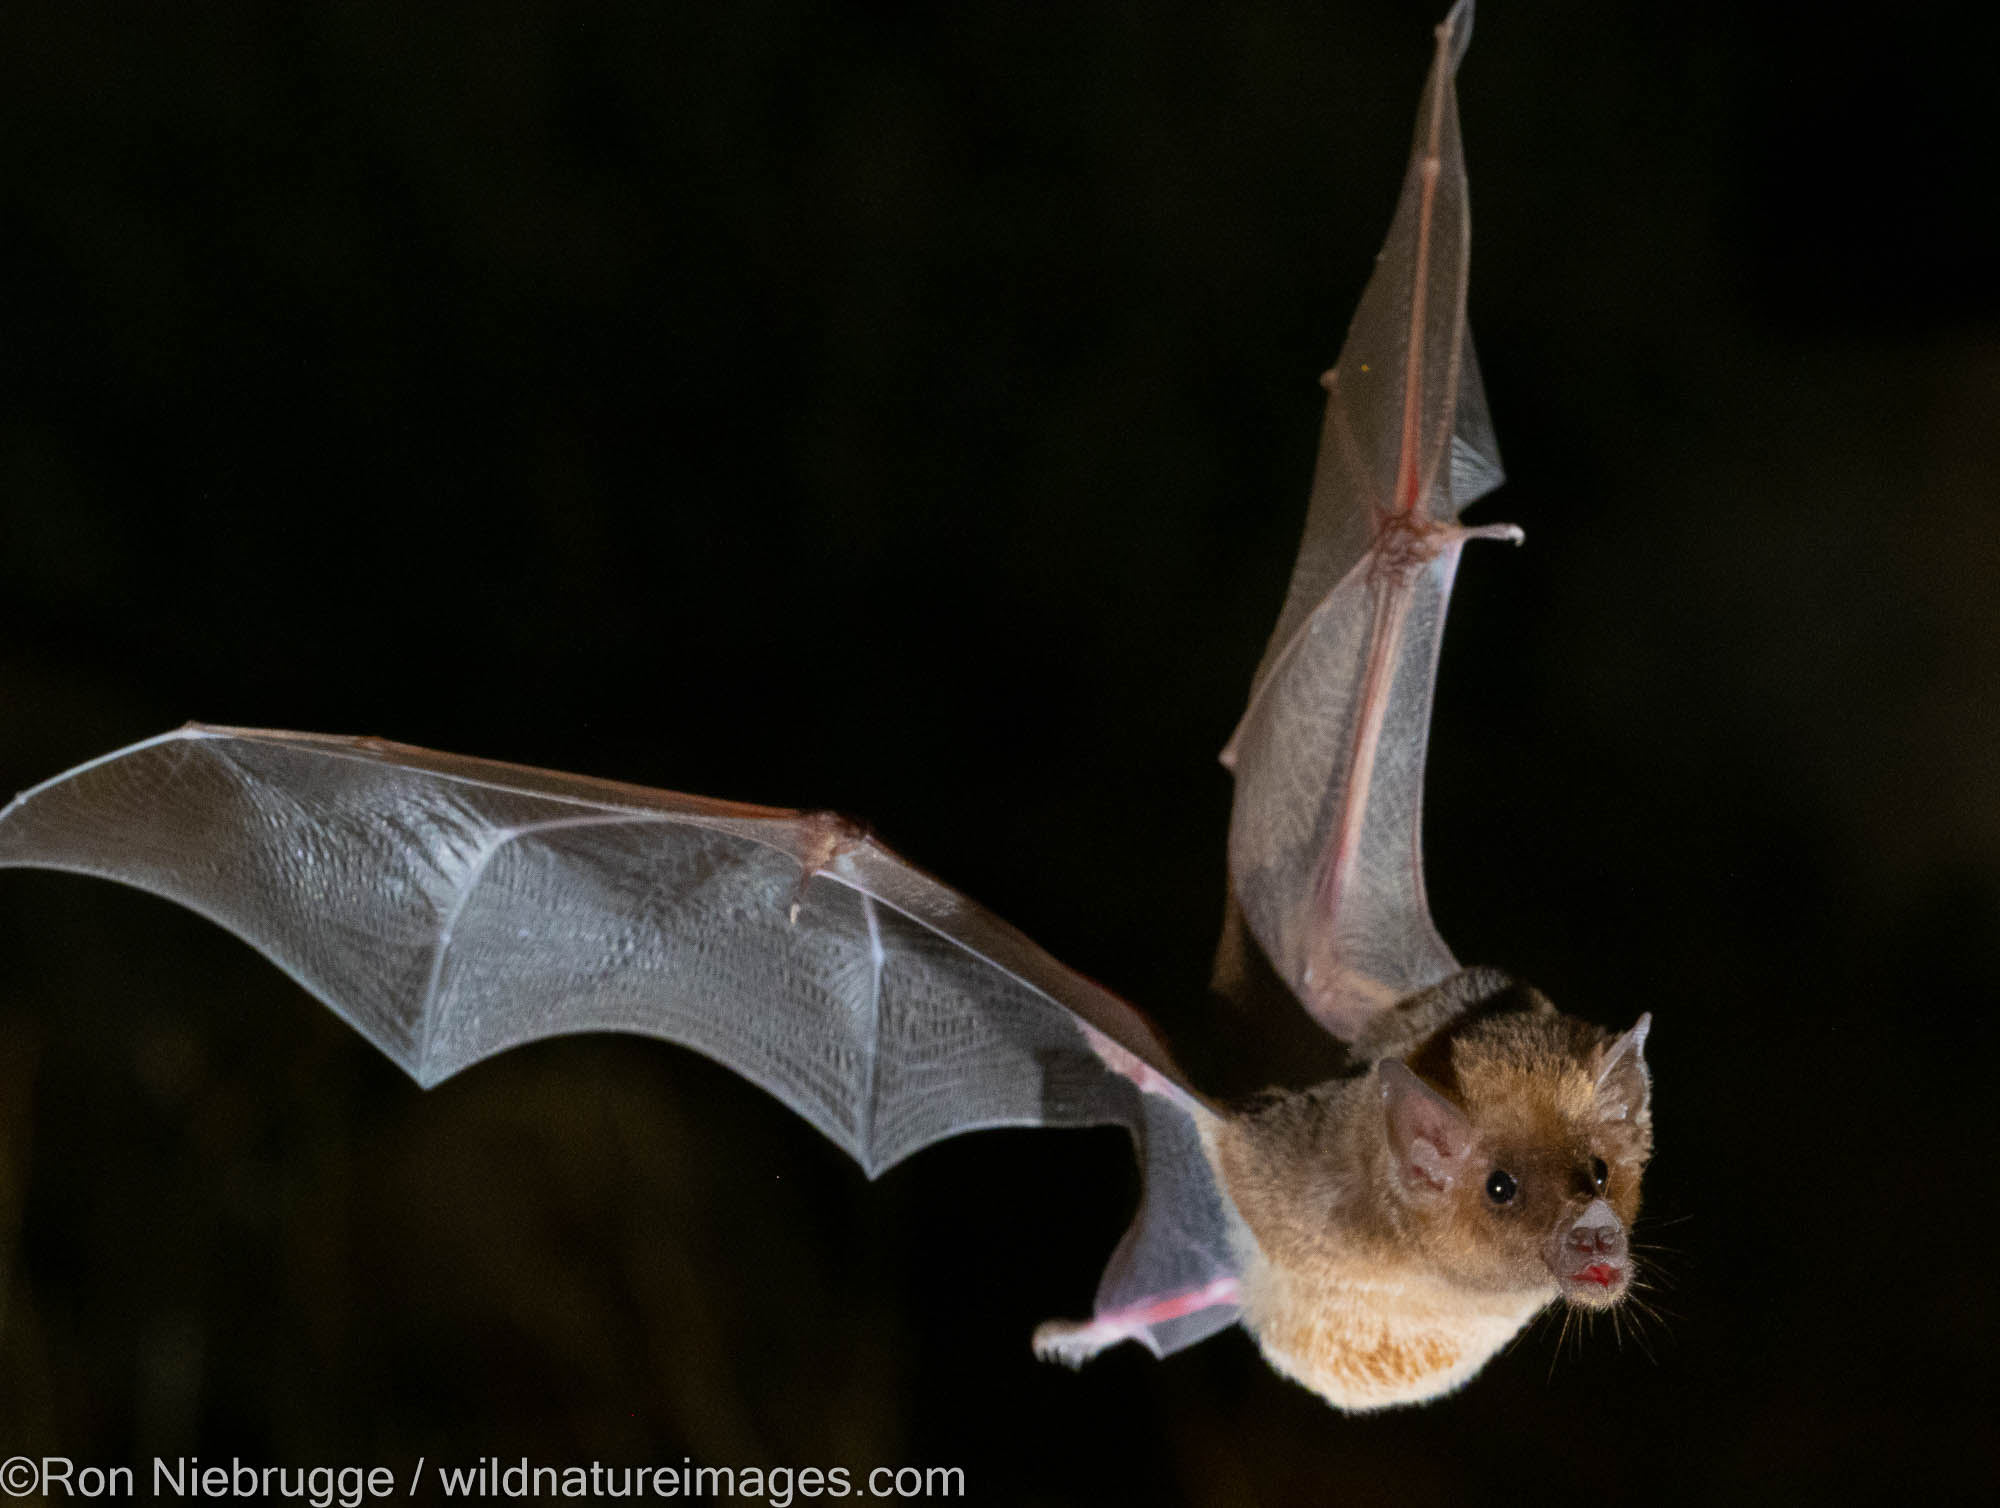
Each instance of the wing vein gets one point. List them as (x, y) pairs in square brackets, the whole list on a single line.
[(429, 1016), (865, 1109)]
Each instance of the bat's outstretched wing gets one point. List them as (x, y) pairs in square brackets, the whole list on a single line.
[(1324, 854), (451, 908)]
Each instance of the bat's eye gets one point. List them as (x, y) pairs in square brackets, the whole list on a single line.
[(1500, 1186), (1599, 1174)]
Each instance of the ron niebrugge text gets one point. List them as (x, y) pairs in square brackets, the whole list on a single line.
[(189, 1477)]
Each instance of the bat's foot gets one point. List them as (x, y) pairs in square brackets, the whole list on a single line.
[(1071, 1343), (1074, 1342)]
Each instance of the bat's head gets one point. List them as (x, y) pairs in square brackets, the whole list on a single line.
[(1520, 1165)]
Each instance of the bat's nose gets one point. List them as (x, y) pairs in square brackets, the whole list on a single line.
[(1597, 1233)]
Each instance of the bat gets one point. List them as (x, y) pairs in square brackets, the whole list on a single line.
[(1380, 1234)]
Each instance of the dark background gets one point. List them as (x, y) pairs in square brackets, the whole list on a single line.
[(908, 410)]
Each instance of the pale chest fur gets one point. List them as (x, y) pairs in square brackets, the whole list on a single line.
[(1363, 1341)]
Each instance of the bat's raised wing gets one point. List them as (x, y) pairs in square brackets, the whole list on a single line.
[(451, 908), (1324, 854)]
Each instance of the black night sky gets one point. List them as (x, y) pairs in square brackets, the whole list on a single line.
[(908, 409)]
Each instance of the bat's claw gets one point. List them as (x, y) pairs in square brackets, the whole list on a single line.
[(825, 835), (1071, 1343)]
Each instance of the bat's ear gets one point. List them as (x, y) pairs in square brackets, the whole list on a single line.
[(1624, 1087), (1429, 1135)]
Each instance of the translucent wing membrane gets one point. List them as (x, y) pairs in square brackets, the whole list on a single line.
[(1325, 836), (451, 908)]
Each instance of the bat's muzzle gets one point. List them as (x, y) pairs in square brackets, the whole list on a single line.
[(1591, 1258)]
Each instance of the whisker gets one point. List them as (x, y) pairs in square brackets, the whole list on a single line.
[(1654, 1287), (1641, 1340), (1539, 1322), (1659, 1314), (1556, 1354)]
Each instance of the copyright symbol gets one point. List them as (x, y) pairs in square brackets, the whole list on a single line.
[(19, 1477)]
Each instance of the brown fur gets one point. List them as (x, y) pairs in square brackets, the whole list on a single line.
[(1374, 1292)]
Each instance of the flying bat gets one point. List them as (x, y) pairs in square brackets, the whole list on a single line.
[(1380, 1234)]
